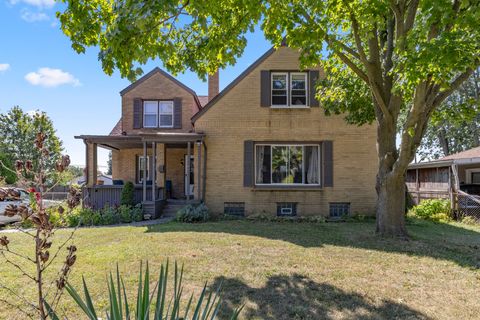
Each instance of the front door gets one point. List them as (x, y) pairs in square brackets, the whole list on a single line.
[(189, 187)]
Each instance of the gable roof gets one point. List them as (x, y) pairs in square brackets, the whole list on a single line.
[(117, 130), (471, 153), (233, 84), (168, 76), (203, 100)]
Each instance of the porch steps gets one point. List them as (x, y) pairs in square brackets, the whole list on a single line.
[(172, 206)]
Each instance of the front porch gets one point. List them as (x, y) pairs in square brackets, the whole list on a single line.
[(457, 180), (161, 166)]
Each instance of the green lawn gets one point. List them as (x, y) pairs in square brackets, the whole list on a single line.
[(292, 270)]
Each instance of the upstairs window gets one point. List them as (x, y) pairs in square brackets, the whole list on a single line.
[(158, 114), (150, 114), (298, 89), (289, 89), (279, 89), (166, 114)]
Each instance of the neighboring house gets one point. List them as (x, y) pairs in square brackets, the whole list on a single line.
[(262, 145), (102, 179), (443, 177)]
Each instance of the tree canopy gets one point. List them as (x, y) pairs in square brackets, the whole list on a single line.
[(389, 61), (455, 125), (18, 130)]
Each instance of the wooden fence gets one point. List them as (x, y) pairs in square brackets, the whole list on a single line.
[(98, 197)]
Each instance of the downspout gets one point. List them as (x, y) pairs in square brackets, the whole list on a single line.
[(204, 180)]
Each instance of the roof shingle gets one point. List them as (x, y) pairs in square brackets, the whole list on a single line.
[(471, 153)]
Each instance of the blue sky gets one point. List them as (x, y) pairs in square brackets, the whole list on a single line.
[(39, 70)]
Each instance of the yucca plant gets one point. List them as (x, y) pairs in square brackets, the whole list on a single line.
[(206, 306)]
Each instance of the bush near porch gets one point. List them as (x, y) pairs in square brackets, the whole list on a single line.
[(437, 210), (90, 217)]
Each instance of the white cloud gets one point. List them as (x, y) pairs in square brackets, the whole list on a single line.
[(4, 67), (36, 3), (30, 16), (47, 77)]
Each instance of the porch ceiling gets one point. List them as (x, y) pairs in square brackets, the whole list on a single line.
[(136, 141)]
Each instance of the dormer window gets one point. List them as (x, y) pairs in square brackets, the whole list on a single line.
[(158, 114), (289, 89)]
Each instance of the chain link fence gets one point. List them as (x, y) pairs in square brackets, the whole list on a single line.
[(467, 205)]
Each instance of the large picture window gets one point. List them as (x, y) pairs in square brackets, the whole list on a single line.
[(287, 164), (158, 114)]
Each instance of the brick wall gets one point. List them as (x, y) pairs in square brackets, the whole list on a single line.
[(237, 117)]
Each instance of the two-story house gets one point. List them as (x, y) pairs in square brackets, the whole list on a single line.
[(261, 145)]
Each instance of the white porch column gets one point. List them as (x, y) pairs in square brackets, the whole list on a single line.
[(154, 170)]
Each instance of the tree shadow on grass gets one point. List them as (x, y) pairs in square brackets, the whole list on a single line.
[(436, 240), (297, 297)]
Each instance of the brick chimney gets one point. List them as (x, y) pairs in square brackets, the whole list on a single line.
[(213, 85)]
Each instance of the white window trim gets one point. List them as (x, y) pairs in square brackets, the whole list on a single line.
[(303, 165), (306, 105), (140, 176), (286, 89), (289, 105), (468, 175), (145, 114), (160, 113)]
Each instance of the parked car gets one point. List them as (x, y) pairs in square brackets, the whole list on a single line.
[(15, 196)]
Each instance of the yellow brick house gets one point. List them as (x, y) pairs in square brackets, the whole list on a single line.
[(261, 145)]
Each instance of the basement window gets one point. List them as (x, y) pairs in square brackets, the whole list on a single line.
[(234, 208), (286, 209), (339, 209)]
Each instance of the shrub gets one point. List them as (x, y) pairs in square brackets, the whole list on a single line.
[(432, 209), (109, 216), (191, 213), (137, 213), (127, 197), (73, 219), (85, 216), (470, 220), (125, 213)]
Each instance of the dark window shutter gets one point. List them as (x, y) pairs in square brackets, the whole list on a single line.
[(137, 113), (313, 77), (265, 89), (137, 178), (327, 156), (248, 163), (177, 113)]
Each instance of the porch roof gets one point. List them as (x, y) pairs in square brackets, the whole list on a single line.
[(444, 163), (136, 141)]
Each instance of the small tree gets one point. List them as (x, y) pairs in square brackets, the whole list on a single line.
[(32, 176), (128, 194)]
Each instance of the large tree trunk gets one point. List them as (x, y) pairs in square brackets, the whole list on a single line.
[(391, 205), (390, 185)]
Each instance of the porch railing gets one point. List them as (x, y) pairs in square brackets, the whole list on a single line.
[(98, 197)]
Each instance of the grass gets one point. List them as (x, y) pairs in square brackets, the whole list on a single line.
[(290, 270)]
